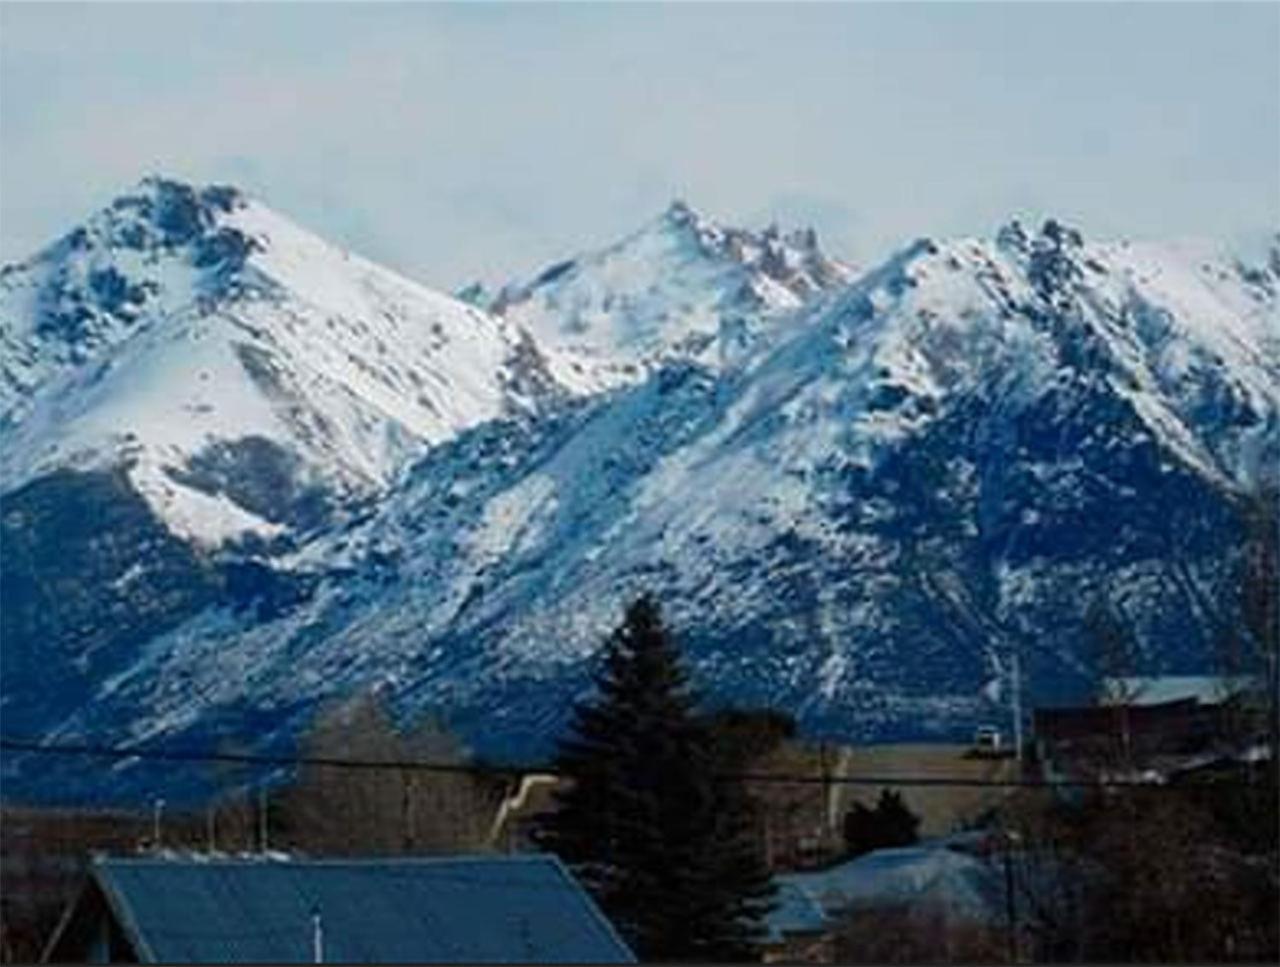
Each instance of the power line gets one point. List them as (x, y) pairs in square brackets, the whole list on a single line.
[(183, 755), (777, 778)]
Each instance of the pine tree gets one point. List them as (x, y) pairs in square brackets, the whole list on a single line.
[(665, 846)]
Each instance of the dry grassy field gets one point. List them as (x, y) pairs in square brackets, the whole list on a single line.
[(942, 809)]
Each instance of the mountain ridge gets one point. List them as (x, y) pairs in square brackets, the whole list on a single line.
[(334, 370), (894, 488)]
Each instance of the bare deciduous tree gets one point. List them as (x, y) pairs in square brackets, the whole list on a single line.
[(1135, 875), (384, 811)]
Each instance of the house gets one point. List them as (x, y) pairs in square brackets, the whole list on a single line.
[(1114, 741), (928, 875), (932, 883), (201, 909), (1160, 689), (518, 814), (1144, 727), (43, 859)]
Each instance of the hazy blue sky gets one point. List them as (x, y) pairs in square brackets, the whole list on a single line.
[(478, 141)]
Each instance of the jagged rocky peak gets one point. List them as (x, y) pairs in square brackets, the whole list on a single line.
[(681, 237), (474, 294), (1262, 271), (683, 286), (1014, 236), (162, 239), (680, 213), (162, 215), (1052, 256), (1051, 260), (177, 210), (792, 258)]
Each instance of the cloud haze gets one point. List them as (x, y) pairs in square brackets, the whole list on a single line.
[(456, 142)]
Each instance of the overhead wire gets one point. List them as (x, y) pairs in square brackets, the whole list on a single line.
[(36, 747)]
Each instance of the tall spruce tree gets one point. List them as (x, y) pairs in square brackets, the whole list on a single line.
[(665, 846)]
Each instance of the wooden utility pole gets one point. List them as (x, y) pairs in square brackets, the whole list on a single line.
[(1016, 688), (263, 843), (317, 936)]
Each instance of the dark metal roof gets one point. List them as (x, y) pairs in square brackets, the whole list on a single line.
[(474, 909)]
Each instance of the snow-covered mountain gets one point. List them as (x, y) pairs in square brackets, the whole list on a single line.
[(947, 463), (246, 374), (680, 287), (901, 483)]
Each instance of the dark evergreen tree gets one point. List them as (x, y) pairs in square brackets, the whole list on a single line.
[(890, 823), (901, 827), (665, 846)]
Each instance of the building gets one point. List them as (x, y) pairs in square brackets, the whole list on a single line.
[(933, 889), (200, 909), (517, 816), (1141, 728), (43, 860), (1161, 689), (929, 875)]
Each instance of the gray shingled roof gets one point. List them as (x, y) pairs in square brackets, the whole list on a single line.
[(474, 909)]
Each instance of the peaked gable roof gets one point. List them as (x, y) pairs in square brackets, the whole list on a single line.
[(473, 909), (1162, 689), (918, 876)]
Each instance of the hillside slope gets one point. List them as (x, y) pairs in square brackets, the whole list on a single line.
[(863, 520)]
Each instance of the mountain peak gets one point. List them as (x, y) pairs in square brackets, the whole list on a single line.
[(682, 285), (182, 325), (164, 188), (686, 224), (164, 212), (679, 213), (782, 255), (822, 521), (157, 245)]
